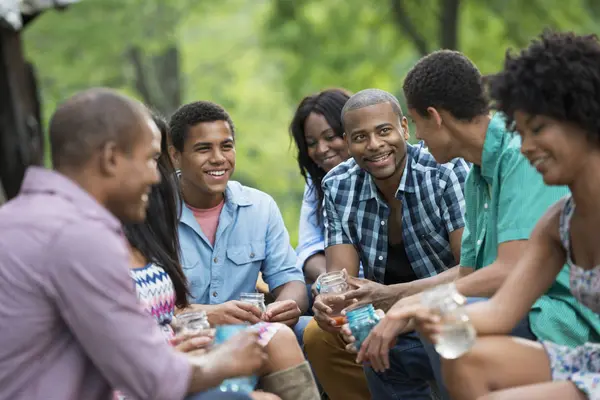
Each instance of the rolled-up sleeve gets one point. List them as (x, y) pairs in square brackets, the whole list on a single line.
[(279, 266), (334, 229), (311, 239), (95, 296)]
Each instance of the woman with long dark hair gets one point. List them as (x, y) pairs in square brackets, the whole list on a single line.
[(160, 282), (318, 134)]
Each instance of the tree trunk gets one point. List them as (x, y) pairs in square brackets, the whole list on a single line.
[(449, 24)]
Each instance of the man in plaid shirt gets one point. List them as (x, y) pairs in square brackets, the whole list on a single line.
[(396, 210)]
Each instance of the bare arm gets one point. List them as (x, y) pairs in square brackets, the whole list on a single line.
[(342, 256), (294, 290), (315, 266), (485, 282), (538, 267)]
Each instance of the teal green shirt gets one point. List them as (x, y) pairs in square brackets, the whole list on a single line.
[(504, 199)]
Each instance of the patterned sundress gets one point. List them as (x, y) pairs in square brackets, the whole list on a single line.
[(580, 365)]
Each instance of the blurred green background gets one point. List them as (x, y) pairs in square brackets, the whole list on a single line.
[(258, 58)]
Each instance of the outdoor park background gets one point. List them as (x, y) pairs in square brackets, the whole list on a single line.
[(258, 58)]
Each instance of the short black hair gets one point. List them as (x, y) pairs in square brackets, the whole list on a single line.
[(88, 120), (449, 81), (557, 76), (192, 114), (370, 97)]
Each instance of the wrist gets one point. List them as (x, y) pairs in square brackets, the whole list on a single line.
[(206, 373)]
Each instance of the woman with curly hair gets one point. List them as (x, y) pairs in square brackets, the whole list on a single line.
[(550, 93)]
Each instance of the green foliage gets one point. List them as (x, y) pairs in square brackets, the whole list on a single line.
[(258, 58)]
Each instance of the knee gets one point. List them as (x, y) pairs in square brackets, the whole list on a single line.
[(284, 338), (469, 366)]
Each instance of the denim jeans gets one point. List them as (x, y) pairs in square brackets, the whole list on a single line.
[(522, 330), (216, 394), (409, 373)]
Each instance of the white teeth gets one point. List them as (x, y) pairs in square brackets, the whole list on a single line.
[(381, 157), (538, 161), (216, 173), (145, 197)]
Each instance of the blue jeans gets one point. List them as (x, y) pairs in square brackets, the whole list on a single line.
[(409, 373), (522, 330), (216, 394), (299, 329)]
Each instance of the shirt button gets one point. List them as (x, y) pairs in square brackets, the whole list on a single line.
[(215, 294), (216, 260), (251, 255), (485, 206), (479, 241), (380, 258), (382, 222)]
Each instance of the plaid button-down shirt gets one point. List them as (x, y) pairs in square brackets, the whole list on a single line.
[(433, 206)]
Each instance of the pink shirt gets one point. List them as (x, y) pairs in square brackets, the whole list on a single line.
[(71, 327), (208, 219)]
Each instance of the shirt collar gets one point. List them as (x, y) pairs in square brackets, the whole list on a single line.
[(40, 180), (492, 146), (369, 188)]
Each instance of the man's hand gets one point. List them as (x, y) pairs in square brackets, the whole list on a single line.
[(242, 355), (197, 344), (286, 312), (232, 312), (398, 320), (323, 311), (369, 292)]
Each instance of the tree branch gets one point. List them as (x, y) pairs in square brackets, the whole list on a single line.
[(405, 24)]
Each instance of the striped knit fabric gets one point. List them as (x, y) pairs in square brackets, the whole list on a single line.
[(156, 295)]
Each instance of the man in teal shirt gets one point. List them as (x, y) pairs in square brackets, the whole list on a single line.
[(504, 198)]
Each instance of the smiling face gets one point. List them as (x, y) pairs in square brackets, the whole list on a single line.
[(325, 148), (376, 139), (430, 130), (558, 150), (137, 172), (207, 163)]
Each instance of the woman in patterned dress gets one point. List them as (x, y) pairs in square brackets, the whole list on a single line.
[(550, 93), (161, 285)]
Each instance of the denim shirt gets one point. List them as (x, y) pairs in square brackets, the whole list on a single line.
[(251, 238), (311, 234)]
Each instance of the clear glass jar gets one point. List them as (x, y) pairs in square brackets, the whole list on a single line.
[(361, 321), (256, 299), (244, 384), (191, 323), (332, 284), (457, 335)]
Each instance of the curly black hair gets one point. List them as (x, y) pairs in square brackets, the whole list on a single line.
[(557, 76), (446, 80), (328, 103), (194, 113)]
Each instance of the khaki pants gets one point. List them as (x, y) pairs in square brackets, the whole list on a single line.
[(336, 369)]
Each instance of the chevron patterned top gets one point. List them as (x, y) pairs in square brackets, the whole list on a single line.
[(156, 295)]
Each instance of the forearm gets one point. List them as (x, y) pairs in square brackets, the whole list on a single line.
[(420, 285), (314, 266), (294, 290), (204, 376), (484, 282)]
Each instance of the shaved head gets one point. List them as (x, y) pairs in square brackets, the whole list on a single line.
[(84, 123), (370, 97)]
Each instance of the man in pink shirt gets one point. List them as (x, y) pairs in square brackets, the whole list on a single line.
[(70, 325)]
